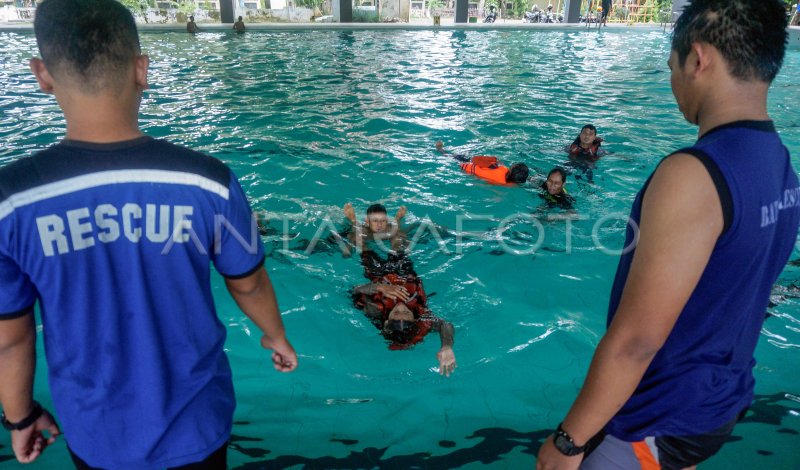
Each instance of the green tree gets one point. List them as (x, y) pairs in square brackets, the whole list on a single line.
[(187, 7), (137, 7), (519, 8), (309, 4), (434, 5)]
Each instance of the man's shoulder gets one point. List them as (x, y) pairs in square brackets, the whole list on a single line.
[(60, 162), (186, 152), (16, 176), (164, 155)]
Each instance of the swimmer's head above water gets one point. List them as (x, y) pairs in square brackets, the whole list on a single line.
[(555, 181)]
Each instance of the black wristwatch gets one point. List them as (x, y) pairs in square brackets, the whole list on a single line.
[(35, 413), (565, 444)]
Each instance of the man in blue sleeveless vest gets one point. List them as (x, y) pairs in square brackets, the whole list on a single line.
[(114, 233), (716, 224)]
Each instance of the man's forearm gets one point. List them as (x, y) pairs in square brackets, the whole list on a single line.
[(261, 306), (17, 366), (613, 376)]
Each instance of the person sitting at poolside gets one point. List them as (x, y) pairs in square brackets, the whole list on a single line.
[(585, 151), (376, 228), (239, 26), (191, 26), (397, 305), (553, 191), (488, 168)]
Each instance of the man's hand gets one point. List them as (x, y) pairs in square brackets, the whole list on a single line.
[(550, 458), (447, 361), (350, 213), (29, 443), (400, 213), (393, 292), (283, 356)]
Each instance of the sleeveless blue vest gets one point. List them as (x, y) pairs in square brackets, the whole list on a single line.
[(702, 377)]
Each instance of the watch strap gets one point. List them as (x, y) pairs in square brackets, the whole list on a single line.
[(569, 449), (35, 413)]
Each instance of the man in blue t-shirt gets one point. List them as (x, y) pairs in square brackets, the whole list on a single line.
[(715, 223), (113, 233)]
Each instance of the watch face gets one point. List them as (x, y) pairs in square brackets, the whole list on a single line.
[(565, 445), (562, 444)]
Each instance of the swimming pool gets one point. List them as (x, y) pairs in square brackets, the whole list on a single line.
[(311, 120)]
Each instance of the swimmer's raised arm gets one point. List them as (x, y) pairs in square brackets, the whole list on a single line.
[(349, 213), (400, 213)]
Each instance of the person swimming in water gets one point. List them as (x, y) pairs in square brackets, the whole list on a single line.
[(584, 152), (376, 228), (488, 168), (553, 191), (397, 305)]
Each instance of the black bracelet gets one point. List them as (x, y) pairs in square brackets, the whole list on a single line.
[(35, 413)]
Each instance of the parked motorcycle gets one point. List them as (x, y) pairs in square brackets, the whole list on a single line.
[(551, 17), (533, 16)]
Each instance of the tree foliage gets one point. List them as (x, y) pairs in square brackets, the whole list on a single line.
[(309, 4), (137, 7)]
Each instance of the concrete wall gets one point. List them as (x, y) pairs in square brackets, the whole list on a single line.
[(794, 37), (293, 15), (395, 9)]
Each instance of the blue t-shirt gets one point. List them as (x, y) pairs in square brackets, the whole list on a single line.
[(702, 376), (116, 241)]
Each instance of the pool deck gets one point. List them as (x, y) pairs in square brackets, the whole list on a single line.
[(794, 31), (446, 25)]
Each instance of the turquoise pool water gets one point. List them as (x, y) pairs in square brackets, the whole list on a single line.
[(312, 120)]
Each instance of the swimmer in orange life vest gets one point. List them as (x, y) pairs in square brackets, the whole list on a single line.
[(397, 305), (488, 168), (585, 151)]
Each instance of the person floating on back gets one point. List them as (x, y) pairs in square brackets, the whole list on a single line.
[(397, 305), (239, 26), (708, 235), (114, 233), (489, 168), (584, 152)]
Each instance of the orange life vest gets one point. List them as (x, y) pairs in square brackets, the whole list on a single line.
[(486, 167), (589, 154), (418, 304)]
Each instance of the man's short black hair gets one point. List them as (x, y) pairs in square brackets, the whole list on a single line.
[(750, 34), (376, 209), (518, 173), (560, 171), (91, 42), (590, 127)]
